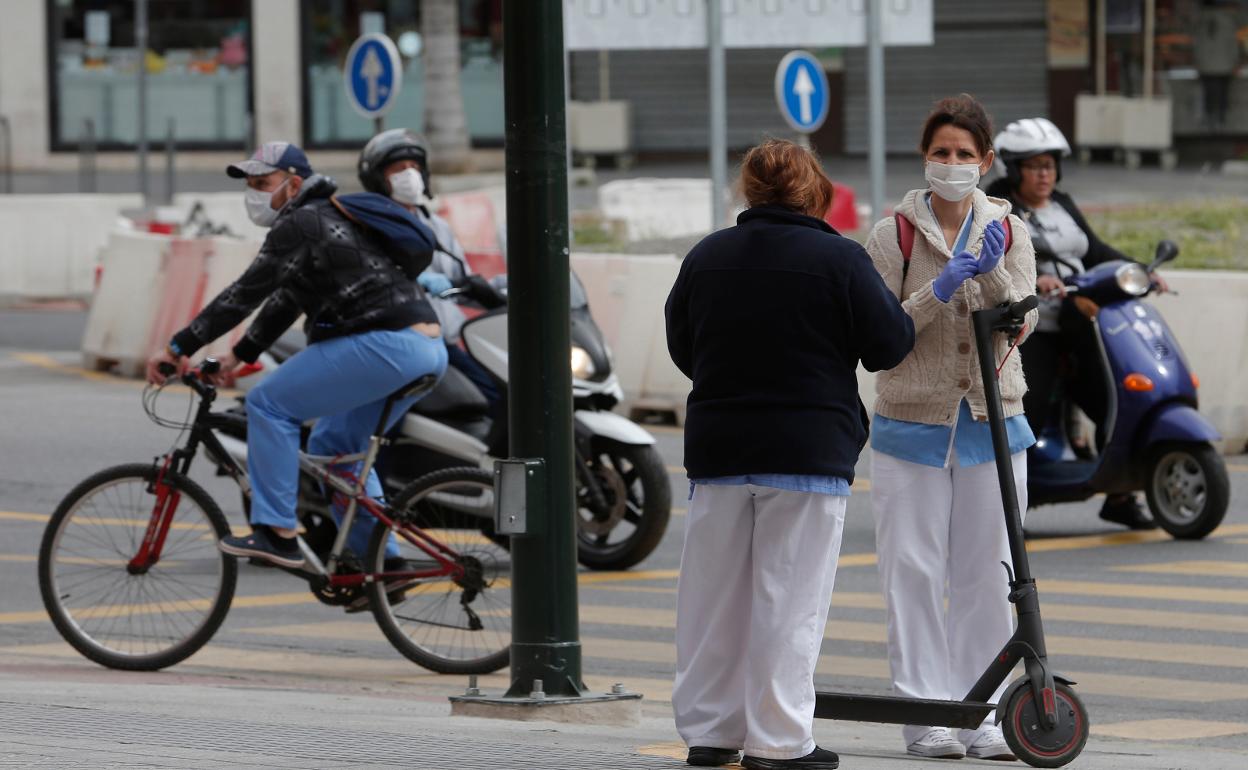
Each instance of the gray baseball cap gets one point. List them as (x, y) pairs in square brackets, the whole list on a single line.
[(270, 157)]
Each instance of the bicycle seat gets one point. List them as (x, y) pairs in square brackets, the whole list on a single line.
[(418, 387)]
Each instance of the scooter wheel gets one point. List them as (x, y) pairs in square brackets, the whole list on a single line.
[(1188, 489), (1034, 742)]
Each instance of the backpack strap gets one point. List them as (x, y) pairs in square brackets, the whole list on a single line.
[(905, 239)]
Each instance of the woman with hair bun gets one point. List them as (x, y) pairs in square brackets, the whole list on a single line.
[(770, 319), (948, 251)]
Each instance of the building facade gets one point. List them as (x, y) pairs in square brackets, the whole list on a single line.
[(224, 73)]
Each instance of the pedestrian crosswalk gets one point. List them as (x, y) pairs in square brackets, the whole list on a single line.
[(1173, 643)]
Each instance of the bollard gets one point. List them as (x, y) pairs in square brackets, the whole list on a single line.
[(7, 130), (86, 157), (171, 151)]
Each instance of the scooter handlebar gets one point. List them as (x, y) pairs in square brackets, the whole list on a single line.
[(1024, 306)]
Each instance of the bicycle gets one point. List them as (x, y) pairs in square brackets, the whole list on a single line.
[(131, 576)]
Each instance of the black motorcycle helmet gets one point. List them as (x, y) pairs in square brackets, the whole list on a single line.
[(386, 148)]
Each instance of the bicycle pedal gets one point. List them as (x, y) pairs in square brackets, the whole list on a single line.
[(255, 562)]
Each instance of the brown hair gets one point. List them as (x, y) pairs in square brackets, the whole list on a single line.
[(963, 111), (780, 173)]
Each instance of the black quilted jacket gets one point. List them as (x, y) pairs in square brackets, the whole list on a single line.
[(344, 277)]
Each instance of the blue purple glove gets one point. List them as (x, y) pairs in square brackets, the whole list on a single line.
[(993, 249), (959, 269)]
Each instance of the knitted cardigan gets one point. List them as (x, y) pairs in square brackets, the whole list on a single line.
[(928, 386)]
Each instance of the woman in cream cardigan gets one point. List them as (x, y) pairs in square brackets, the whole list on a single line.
[(940, 529)]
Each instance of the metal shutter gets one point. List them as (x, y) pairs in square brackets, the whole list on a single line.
[(669, 99), (996, 51)]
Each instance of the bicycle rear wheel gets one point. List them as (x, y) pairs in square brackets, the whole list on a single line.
[(451, 626), (126, 618)]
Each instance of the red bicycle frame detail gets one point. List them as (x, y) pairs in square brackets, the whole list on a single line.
[(167, 499), (440, 553)]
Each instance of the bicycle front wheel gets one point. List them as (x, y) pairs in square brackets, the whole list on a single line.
[(120, 615), (449, 624)]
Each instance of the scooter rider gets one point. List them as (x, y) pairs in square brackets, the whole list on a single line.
[(370, 331), (396, 163), (1032, 150)]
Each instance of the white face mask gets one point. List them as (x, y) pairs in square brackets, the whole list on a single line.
[(260, 205), (408, 187), (953, 183)]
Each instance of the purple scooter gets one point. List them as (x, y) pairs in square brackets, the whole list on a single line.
[(1153, 437)]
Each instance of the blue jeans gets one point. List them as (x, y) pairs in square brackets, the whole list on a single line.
[(345, 382)]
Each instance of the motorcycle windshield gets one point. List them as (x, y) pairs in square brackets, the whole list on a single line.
[(577, 293)]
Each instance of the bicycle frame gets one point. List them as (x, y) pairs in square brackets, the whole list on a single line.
[(345, 483)]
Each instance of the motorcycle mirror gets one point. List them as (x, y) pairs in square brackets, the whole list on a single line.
[(1166, 251)]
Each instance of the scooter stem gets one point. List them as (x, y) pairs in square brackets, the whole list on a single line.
[(985, 323)]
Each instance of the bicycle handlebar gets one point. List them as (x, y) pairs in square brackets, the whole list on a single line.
[(191, 378)]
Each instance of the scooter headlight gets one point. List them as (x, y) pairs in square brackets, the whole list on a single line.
[(582, 364), (1133, 279)]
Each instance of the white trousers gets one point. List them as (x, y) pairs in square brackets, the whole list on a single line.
[(755, 584), (940, 534)]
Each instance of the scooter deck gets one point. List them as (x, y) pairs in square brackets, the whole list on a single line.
[(888, 709)]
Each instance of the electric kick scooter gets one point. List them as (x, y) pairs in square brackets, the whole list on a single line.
[(1043, 720)]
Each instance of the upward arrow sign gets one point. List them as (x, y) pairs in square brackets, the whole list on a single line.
[(804, 88), (371, 70)]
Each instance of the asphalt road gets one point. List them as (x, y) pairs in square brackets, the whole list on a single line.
[(1152, 629)]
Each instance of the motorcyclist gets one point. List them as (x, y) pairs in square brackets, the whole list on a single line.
[(370, 330), (396, 163), (1031, 151)]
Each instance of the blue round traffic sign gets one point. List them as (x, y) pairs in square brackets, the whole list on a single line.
[(372, 74), (802, 91)]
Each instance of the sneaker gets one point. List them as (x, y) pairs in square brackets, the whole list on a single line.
[(707, 756), (264, 544), (1127, 511), (937, 743), (991, 745), (364, 600), (819, 759)]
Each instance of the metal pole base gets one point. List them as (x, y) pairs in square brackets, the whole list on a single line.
[(615, 709)]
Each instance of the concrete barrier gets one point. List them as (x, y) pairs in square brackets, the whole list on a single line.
[(125, 304), (658, 208), (50, 242), (150, 287), (1209, 316), (626, 295)]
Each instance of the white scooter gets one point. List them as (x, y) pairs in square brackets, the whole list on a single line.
[(623, 494)]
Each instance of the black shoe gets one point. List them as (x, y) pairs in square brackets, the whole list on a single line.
[(1127, 511), (391, 564), (819, 759), (706, 756), (263, 543)]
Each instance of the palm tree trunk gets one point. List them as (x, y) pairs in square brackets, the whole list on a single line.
[(446, 126)]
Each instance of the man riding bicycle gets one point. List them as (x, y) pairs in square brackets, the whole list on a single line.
[(371, 330)]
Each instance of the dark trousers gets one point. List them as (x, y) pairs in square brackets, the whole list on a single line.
[(1065, 364)]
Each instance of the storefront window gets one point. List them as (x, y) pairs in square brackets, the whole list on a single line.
[(329, 28), (198, 71), (1200, 52)]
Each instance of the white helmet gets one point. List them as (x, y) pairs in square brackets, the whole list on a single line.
[(1028, 138)]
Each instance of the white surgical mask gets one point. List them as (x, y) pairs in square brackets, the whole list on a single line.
[(260, 205), (953, 183), (408, 187)]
